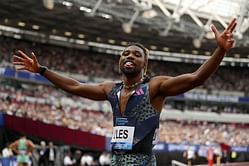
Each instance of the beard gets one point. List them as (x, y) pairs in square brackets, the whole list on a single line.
[(129, 72)]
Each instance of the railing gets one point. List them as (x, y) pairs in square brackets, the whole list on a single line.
[(177, 163)]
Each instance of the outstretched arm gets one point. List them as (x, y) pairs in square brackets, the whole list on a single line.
[(169, 86), (91, 91)]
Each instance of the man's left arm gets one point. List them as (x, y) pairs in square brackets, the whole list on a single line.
[(169, 86)]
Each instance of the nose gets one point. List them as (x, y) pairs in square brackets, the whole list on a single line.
[(130, 56)]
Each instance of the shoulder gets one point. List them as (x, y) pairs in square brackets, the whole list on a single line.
[(30, 143), (157, 80), (108, 85), (14, 144), (155, 83)]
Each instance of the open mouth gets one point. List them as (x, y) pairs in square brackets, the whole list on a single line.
[(129, 64)]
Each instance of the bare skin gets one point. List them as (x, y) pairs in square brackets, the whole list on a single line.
[(160, 86), (30, 148)]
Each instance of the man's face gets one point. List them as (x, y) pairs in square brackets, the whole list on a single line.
[(132, 60)]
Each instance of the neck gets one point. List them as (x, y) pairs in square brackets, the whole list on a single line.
[(130, 83)]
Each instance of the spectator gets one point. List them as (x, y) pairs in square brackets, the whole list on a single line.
[(87, 160), (189, 154), (7, 152), (77, 157), (67, 161), (105, 159), (42, 160), (51, 154)]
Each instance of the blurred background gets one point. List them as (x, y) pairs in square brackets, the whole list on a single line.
[(83, 39)]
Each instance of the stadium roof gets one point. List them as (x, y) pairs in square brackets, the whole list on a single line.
[(166, 25), (222, 8)]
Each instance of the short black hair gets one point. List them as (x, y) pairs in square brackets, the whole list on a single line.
[(145, 50)]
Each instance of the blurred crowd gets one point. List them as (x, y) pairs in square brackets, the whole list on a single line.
[(218, 107), (83, 62), (197, 132)]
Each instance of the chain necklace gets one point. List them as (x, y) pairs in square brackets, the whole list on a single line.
[(132, 85)]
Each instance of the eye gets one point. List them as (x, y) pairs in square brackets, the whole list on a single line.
[(125, 53), (137, 54)]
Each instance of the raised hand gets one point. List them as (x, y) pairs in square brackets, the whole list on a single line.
[(225, 39), (24, 62)]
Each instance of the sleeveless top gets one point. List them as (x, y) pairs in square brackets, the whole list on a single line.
[(136, 131), (22, 156), (22, 146)]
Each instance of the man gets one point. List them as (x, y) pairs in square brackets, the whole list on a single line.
[(7, 152), (189, 154), (41, 152), (50, 154), (136, 101), (87, 159), (105, 159), (23, 147), (68, 161)]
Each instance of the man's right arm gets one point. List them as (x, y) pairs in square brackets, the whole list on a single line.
[(91, 91)]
